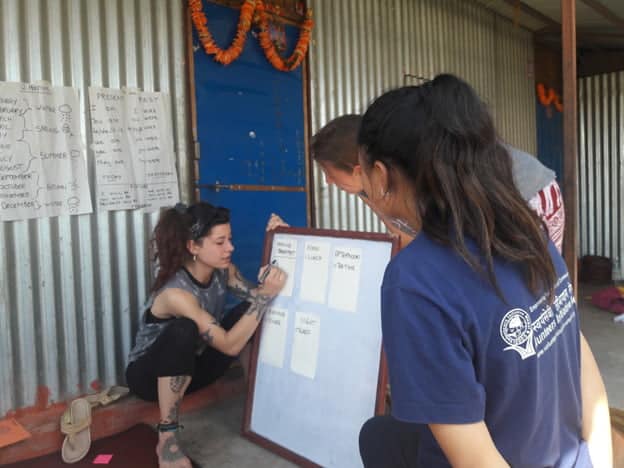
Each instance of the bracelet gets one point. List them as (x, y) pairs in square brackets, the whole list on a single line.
[(168, 427)]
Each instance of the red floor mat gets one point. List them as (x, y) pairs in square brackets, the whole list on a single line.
[(132, 448)]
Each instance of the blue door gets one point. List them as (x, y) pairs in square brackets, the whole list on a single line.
[(250, 131)]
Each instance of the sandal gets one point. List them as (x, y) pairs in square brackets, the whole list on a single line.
[(75, 424), (107, 396)]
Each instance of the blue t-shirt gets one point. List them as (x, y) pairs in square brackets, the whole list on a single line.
[(457, 353)]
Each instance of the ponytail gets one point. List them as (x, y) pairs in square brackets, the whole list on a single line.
[(169, 243)]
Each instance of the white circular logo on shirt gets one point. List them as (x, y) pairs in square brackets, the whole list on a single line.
[(516, 327)]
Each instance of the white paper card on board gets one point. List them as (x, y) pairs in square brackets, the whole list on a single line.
[(273, 343), (345, 285), (315, 271), (305, 345), (285, 254)]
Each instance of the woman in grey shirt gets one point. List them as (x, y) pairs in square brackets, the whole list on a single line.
[(185, 339)]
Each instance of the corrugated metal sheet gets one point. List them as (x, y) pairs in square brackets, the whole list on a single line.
[(601, 167), (71, 286), (361, 48)]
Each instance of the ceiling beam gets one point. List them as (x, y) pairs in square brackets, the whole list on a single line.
[(526, 9), (582, 35), (580, 32), (604, 12)]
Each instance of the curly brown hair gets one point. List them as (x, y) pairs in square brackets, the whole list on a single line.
[(175, 227)]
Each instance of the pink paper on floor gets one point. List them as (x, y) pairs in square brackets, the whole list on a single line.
[(103, 459)]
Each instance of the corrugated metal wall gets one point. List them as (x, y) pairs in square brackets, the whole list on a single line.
[(363, 47), (601, 167), (71, 286)]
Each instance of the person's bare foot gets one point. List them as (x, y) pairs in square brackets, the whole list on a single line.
[(170, 454)]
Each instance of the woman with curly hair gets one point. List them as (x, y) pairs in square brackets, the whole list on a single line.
[(186, 339)]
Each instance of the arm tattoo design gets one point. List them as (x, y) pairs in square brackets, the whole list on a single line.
[(240, 287), (259, 305), (206, 336), (177, 382)]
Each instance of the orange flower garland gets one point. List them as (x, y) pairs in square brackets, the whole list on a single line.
[(546, 99), (267, 45), (244, 25), (230, 54)]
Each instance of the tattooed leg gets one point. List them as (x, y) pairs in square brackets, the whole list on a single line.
[(170, 454), (170, 393)]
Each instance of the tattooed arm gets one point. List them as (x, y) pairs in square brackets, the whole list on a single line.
[(259, 295), (238, 285), (180, 303)]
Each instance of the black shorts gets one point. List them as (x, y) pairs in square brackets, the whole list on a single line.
[(174, 353)]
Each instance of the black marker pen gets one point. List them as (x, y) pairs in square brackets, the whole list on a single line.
[(267, 271)]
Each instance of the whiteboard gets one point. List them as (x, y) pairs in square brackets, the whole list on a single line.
[(316, 372)]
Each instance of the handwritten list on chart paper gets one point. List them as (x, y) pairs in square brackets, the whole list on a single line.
[(42, 165), (133, 148)]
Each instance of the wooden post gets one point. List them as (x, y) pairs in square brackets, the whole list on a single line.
[(570, 147)]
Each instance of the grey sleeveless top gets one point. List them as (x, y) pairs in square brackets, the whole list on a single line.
[(211, 298), (530, 175)]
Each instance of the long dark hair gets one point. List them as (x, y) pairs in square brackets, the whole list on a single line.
[(441, 137), (176, 226)]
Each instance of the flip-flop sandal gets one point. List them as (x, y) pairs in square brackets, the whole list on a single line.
[(107, 396), (75, 423)]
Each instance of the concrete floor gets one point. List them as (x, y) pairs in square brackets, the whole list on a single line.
[(606, 338), (212, 436)]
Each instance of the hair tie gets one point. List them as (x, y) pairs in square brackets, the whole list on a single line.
[(181, 208), (197, 229)]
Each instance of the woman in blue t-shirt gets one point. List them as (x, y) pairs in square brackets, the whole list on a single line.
[(487, 364)]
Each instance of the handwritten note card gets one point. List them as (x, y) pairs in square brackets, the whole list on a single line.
[(285, 255), (305, 346), (133, 147), (315, 269), (42, 163), (273, 342), (345, 284)]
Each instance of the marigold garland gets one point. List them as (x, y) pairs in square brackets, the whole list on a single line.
[(230, 54), (546, 99), (268, 46)]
